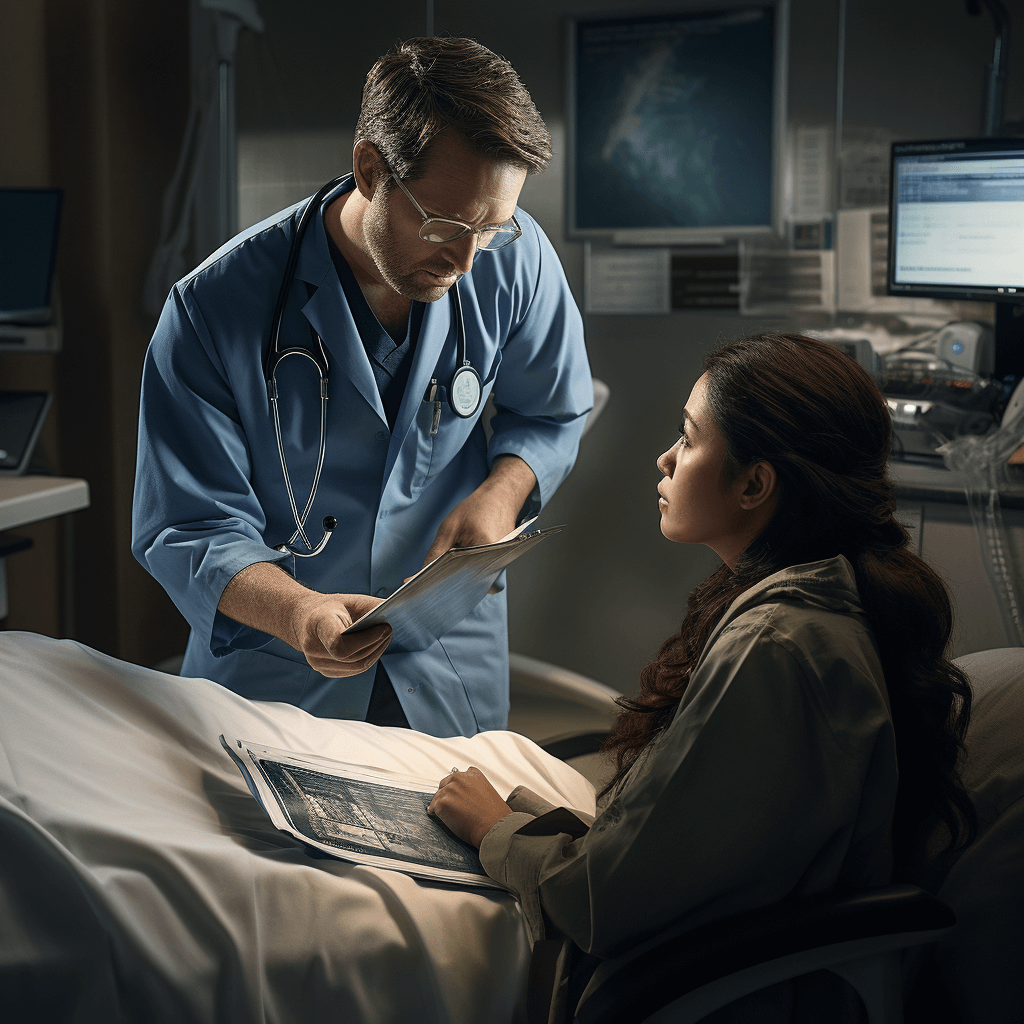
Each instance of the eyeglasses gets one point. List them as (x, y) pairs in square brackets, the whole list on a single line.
[(441, 229)]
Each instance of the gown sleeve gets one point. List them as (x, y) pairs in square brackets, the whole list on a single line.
[(543, 389), (746, 798), (196, 521)]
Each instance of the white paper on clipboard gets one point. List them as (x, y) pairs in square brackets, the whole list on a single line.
[(444, 592)]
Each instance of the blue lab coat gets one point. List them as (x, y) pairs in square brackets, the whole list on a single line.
[(209, 493)]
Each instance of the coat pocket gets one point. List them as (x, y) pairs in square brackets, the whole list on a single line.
[(440, 436), (424, 445)]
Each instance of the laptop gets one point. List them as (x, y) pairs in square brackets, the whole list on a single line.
[(22, 414)]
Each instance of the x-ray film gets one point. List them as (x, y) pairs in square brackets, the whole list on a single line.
[(356, 813)]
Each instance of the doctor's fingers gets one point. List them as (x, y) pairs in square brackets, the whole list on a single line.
[(444, 540), (468, 526), (350, 664), (357, 605), (345, 646), (350, 648)]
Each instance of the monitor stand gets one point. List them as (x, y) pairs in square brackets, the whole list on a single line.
[(1009, 355)]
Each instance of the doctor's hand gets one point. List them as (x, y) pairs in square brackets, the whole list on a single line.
[(265, 597), (490, 512), (468, 804), (317, 625)]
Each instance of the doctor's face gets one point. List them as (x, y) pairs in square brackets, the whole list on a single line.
[(697, 506), (456, 183)]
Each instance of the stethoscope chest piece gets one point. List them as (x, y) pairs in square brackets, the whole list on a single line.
[(464, 396)]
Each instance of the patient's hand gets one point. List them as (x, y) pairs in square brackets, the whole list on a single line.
[(468, 804)]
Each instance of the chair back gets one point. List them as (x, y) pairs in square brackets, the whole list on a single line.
[(974, 974), (684, 978)]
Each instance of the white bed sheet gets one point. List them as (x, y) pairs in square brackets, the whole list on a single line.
[(139, 880)]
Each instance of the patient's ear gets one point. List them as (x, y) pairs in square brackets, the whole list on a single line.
[(760, 486)]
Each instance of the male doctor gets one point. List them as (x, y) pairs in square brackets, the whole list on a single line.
[(446, 136)]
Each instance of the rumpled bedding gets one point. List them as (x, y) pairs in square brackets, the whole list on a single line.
[(140, 881)]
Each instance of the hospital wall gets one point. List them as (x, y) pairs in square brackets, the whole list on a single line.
[(93, 99), (609, 589), (602, 596)]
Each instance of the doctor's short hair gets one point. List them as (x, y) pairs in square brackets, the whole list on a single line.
[(428, 84)]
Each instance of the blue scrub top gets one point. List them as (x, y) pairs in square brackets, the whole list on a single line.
[(209, 493)]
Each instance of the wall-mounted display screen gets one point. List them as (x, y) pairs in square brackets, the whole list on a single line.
[(676, 123), (957, 216)]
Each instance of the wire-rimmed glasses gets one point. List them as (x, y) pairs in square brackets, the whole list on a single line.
[(441, 229)]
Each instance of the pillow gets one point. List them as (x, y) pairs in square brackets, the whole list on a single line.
[(976, 968)]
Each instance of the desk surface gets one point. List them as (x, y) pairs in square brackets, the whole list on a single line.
[(915, 482), (29, 499)]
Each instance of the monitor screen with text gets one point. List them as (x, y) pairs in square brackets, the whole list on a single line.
[(957, 219)]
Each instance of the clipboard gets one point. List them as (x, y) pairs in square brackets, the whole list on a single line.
[(444, 592)]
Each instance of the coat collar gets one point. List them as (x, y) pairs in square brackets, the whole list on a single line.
[(328, 312), (830, 584), (314, 257)]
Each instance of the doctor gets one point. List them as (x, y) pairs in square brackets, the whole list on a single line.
[(446, 136)]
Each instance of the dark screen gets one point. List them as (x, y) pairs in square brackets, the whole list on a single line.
[(29, 220), (674, 121), (19, 415)]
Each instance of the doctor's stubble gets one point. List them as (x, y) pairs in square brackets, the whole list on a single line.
[(386, 249)]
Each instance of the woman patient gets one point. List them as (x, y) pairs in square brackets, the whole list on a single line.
[(758, 761)]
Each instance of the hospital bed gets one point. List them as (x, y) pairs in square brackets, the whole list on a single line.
[(139, 880)]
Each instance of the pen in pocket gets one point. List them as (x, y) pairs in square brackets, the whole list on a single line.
[(435, 394)]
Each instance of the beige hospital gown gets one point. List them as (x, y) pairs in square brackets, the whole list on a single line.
[(776, 778)]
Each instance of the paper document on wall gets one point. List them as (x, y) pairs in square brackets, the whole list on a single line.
[(812, 178), (627, 280), (444, 592), (356, 813)]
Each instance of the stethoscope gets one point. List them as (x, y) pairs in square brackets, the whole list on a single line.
[(463, 395)]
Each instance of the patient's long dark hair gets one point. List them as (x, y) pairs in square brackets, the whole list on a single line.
[(819, 419)]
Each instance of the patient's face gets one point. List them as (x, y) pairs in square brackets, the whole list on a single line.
[(695, 506)]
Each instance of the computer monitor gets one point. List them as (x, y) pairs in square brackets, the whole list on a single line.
[(675, 126), (956, 231), (28, 253)]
